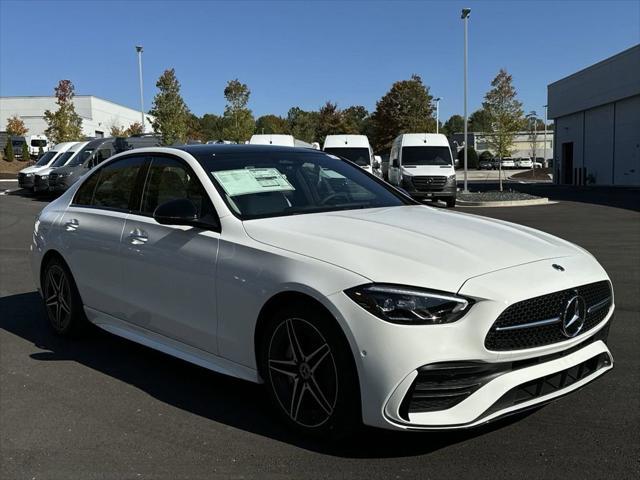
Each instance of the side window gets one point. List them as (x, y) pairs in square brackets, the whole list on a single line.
[(170, 179), (102, 155), (116, 183)]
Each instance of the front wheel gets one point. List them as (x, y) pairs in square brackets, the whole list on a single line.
[(309, 372), (451, 202)]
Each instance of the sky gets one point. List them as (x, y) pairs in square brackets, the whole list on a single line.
[(305, 53)]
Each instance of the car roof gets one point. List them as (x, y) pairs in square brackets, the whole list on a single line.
[(207, 149)]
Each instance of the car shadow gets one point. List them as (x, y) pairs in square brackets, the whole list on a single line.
[(44, 197), (216, 397)]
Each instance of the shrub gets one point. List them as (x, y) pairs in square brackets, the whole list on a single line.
[(486, 155), (472, 158), (26, 156), (8, 151)]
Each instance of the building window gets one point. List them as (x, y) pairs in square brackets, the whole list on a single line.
[(99, 134)]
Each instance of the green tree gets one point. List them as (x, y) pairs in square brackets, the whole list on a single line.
[(330, 122), (63, 125), (239, 124), (271, 124), (506, 114), (8, 151), (455, 124), (472, 158), (480, 121), (169, 110), (302, 124), (355, 119), (194, 128), (15, 126), (211, 126), (405, 108), (26, 156)]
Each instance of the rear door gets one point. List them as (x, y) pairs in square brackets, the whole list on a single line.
[(92, 230), (168, 271)]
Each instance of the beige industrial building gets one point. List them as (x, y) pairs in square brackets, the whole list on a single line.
[(597, 123)]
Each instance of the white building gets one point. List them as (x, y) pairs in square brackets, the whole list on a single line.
[(525, 144), (98, 115), (597, 122)]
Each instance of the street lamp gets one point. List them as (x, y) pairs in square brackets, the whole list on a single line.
[(465, 16), (139, 50), (545, 136), (534, 116), (437, 100)]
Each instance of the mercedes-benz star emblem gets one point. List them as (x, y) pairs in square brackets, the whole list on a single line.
[(560, 268), (575, 314)]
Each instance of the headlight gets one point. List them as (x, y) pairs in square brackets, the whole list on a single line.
[(43, 177), (409, 305), (64, 174), (451, 179), (29, 174)]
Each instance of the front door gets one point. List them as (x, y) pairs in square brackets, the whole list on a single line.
[(168, 271)]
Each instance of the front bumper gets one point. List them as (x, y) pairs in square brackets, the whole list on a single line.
[(390, 357), (41, 184), (25, 182)]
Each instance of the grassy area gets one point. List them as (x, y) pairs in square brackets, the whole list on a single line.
[(10, 169)]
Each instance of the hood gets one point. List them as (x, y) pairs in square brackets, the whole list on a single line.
[(68, 168), (33, 169), (410, 245), (45, 171)]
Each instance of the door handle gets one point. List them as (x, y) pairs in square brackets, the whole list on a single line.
[(138, 236), (71, 225)]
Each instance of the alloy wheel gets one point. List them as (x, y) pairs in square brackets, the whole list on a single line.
[(303, 372), (57, 293)]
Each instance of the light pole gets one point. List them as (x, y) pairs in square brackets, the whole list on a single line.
[(139, 50), (437, 100), (544, 164), (534, 141), (465, 17)]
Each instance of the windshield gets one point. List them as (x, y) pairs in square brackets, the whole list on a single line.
[(62, 159), (46, 158), (81, 157), (359, 156), (426, 156), (291, 183), (38, 143)]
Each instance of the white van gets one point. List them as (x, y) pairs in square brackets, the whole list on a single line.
[(41, 178), (278, 139), (36, 142), (355, 148), (26, 175), (422, 164)]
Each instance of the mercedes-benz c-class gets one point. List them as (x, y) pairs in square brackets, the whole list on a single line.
[(351, 302)]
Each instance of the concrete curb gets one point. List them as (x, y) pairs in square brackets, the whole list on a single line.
[(505, 203)]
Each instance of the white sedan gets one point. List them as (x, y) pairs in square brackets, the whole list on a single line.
[(349, 300)]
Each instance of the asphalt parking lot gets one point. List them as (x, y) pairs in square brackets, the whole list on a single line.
[(108, 408)]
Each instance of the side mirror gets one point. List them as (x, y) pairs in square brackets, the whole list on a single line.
[(395, 163), (377, 161), (180, 211), (376, 164)]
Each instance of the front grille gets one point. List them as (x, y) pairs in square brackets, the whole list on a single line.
[(546, 308), (53, 178), (551, 383), (429, 182), (41, 181)]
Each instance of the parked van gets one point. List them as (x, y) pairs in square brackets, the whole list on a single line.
[(36, 142), (421, 164), (355, 148), (93, 153), (278, 139), (41, 178), (26, 175)]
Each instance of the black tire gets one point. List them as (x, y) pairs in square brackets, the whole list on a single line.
[(62, 301), (451, 202), (318, 396)]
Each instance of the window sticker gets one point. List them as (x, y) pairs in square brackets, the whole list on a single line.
[(252, 180)]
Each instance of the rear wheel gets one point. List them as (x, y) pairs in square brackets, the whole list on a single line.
[(309, 372), (62, 300)]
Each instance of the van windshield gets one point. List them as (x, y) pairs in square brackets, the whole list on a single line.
[(46, 158), (81, 157), (359, 156), (38, 143), (62, 159), (426, 156)]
